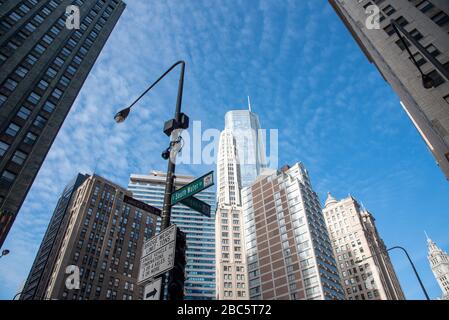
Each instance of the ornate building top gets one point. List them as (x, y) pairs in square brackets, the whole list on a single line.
[(439, 262)]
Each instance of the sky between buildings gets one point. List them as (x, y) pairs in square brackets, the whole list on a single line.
[(306, 77)]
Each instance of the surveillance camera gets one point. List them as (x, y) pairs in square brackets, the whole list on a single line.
[(166, 154)]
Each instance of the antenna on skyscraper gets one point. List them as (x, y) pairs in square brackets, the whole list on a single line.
[(427, 237), (249, 104)]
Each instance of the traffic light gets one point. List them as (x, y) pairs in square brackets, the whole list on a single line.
[(176, 276)]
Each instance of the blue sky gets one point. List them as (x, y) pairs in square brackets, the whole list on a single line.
[(306, 77)]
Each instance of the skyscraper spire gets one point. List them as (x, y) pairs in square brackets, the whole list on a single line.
[(427, 237), (249, 104)]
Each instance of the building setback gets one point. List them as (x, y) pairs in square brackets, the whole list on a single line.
[(289, 254), (427, 21), (364, 265), (43, 66), (199, 229), (104, 239), (37, 281)]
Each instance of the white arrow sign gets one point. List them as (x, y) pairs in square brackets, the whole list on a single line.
[(152, 290)]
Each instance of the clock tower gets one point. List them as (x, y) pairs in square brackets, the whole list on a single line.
[(439, 262)]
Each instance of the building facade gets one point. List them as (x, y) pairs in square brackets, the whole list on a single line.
[(199, 229), (439, 262), (103, 240), (43, 66), (231, 268), (363, 263), (427, 21), (289, 254), (245, 127), (37, 281)]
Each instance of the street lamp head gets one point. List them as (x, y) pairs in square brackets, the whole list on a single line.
[(427, 81), (122, 115), (5, 252)]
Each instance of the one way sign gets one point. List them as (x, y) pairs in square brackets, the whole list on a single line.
[(153, 290)]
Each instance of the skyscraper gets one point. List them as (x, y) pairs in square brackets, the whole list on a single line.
[(427, 22), (245, 127), (200, 231), (43, 66), (439, 262), (103, 240), (355, 240), (36, 284), (232, 277), (289, 254)]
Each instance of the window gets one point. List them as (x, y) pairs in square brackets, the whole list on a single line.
[(8, 176), (51, 72), (21, 71), (2, 99), (433, 50), (64, 81), (31, 59), (10, 84), (42, 85), (30, 138), (424, 6), (39, 122), (3, 148), (49, 106), (13, 129), (56, 93), (34, 98), (389, 10), (437, 79), (24, 113), (416, 34), (39, 48), (19, 157), (441, 19), (59, 62), (47, 39)]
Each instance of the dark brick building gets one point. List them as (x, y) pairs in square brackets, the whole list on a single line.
[(43, 66)]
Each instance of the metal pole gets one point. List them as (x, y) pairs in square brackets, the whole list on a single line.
[(414, 270), (422, 50), (166, 211), (411, 262), (169, 182)]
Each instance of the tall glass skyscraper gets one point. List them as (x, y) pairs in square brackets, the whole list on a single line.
[(200, 231), (245, 127)]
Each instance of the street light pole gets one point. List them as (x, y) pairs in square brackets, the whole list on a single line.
[(166, 210), (411, 263), (4, 253), (180, 122)]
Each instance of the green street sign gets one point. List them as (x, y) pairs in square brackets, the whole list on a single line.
[(197, 205), (193, 188)]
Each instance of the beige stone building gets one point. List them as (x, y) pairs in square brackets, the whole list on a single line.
[(103, 240), (427, 23), (364, 265)]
